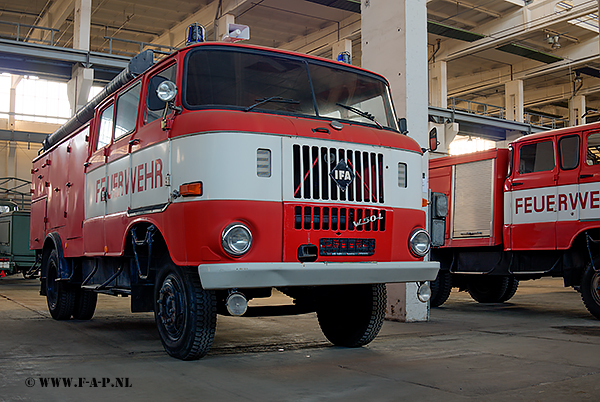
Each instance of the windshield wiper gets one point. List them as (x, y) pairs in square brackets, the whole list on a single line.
[(270, 99), (359, 112)]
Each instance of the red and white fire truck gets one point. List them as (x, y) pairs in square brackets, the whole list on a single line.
[(525, 212), (221, 172)]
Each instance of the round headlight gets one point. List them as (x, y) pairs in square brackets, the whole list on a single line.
[(236, 239), (166, 91), (419, 242)]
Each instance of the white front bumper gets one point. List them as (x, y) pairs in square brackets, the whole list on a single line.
[(259, 275)]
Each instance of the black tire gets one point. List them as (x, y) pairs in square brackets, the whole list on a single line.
[(85, 304), (590, 288), (351, 315), (441, 288), (511, 289), (488, 289), (185, 314), (59, 295)]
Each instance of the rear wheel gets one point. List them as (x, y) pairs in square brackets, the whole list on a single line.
[(185, 314), (59, 295), (511, 289), (488, 289), (441, 288), (590, 288), (85, 304), (352, 315)]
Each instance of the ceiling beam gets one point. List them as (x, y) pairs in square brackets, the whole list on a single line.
[(205, 16), (55, 16), (475, 7), (576, 55), (348, 28), (536, 17)]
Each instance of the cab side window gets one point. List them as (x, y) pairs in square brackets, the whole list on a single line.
[(127, 108), (536, 157), (106, 127), (154, 106), (569, 152), (593, 150)]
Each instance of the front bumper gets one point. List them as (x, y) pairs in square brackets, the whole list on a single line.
[(260, 275)]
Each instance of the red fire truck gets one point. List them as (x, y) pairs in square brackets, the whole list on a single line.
[(525, 212), (221, 172)]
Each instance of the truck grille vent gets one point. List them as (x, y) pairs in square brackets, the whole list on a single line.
[(331, 218), (312, 181)]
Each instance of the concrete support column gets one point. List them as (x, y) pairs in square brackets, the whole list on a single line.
[(78, 88), (446, 133), (14, 81), (576, 109), (438, 84), (344, 45), (513, 100), (82, 22), (221, 25), (394, 44)]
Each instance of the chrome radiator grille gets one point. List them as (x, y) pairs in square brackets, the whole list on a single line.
[(339, 219), (312, 166)]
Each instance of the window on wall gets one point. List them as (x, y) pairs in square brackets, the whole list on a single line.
[(127, 108), (154, 106), (536, 157), (593, 150), (42, 101), (106, 127)]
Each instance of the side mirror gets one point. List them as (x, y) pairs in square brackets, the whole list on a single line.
[(433, 140), (402, 126)]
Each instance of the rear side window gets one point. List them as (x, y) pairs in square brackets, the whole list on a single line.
[(127, 107), (106, 127), (569, 152), (593, 150), (538, 157)]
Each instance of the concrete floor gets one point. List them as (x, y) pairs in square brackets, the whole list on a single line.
[(541, 346)]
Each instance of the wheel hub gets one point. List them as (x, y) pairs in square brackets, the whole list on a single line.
[(596, 287), (171, 307)]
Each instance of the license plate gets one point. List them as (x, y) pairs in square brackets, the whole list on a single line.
[(346, 247)]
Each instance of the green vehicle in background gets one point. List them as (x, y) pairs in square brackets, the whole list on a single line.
[(15, 255)]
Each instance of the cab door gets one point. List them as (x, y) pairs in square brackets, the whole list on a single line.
[(589, 178), (118, 170), (569, 157), (533, 195), (96, 190)]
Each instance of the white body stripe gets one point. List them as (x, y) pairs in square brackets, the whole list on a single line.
[(551, 204), (226, 164)]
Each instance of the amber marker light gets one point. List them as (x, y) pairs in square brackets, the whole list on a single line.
[(191, 189)]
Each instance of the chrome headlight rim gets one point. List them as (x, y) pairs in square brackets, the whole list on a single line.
[(226, 237), (412, 240)]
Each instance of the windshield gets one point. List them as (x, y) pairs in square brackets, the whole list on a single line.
[(263, 81)]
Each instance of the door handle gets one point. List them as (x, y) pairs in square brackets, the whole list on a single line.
[(515, 183), (585, 176)]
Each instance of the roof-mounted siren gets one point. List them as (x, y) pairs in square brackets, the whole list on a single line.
[(236, 33), (196, 33), (345, 57)]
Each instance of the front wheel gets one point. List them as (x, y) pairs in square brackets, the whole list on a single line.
[(185, 313), (590, 288), (488, 289), (440, 288), (351, 315)]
